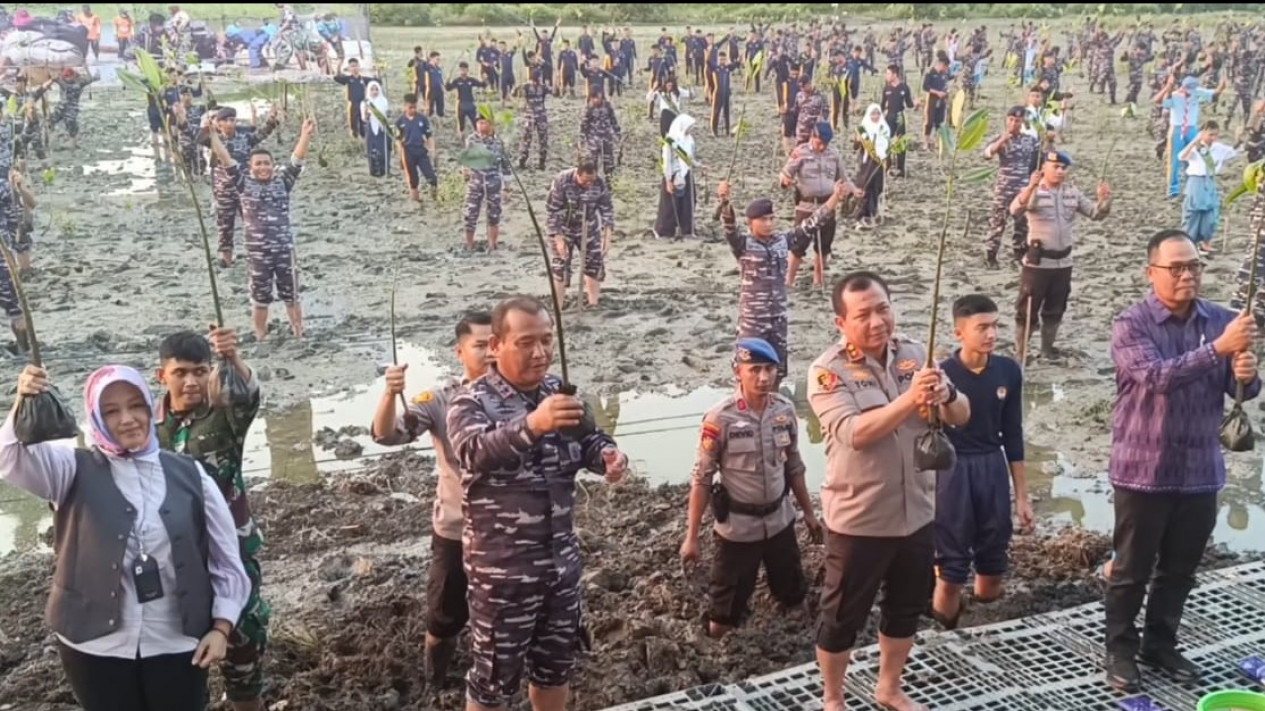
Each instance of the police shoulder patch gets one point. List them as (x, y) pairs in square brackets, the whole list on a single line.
[(907, 365), (827, 380), (423, 397)]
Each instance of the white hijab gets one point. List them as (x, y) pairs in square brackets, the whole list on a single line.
[(678, 141), (878, 132), (380, 103)]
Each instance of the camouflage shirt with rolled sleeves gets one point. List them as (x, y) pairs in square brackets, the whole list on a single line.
[(239, 145), (1015, 163), (876, 490), (568, 203), (599, 124), (762, 263), (814, 172), (756, 455), (430, 410), (496, 147), (519, 488), (217, 436), (1051, 219), (266, 206), (809, 110)]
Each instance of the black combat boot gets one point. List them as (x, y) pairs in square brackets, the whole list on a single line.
[(438, 658)]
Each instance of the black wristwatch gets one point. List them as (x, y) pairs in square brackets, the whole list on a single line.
[(953, 394)]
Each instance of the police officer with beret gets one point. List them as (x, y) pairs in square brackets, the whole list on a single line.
[(762, 263), (1051, 208), (747, 467), (814, 167)]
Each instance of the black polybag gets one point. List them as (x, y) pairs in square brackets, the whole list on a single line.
[(588, 423), (44, 417), (933, 451), (227, 386), (1235, 432)]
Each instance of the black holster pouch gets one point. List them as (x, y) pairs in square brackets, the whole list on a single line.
[(720, 503), (1033, 256)]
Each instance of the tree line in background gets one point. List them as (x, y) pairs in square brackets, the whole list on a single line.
[(417, 15)]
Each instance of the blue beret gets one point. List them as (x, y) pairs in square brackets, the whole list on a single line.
[(1059, 157), (755, 350), (823, 131), (760, 207), (226, 112)]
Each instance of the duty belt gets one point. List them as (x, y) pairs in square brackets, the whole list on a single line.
[(1056, 253)]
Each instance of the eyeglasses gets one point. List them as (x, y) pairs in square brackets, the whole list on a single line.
[(1177, 270)]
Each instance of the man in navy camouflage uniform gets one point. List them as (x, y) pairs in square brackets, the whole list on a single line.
[(810, 109), (1016, 152), (519, 444), (580, 215), (446, 583), (265, 201), (599, 133), (485, 185), (762, 258), (13, 193), (72, 86), (1137, 59), (188, 118), (534, 95), (239, 141)]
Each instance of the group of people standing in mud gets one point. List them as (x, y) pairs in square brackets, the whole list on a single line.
[(158, 573)]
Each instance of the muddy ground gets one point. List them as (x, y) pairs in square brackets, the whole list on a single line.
[(119, 266), (346, 575)]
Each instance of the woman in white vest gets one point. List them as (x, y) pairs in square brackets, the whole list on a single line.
[(148, 581)]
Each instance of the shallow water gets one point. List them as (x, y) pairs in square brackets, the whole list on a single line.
[(660, 432)]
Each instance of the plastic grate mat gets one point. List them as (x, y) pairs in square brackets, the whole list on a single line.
[(1026, 656), (1049, 662)]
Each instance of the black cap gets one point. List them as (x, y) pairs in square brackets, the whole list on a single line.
[(760, 207)]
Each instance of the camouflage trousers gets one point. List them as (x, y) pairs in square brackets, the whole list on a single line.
[(594, 265), (269, 266), (999, 214), (539, 124), (1106, 79), (8, 296), (517, 622), (770, 328), (228, 205), (1135, 88), (243, 664), (67, 111), (20, 239), (479, 190), (603, 148)]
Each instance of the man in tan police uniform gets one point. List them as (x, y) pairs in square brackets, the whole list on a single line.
[(752, 439), (872, 392)]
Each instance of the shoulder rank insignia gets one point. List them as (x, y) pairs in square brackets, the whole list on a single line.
[(423, 397)]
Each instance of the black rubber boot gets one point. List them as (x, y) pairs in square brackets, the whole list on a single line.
[(1049, 332)]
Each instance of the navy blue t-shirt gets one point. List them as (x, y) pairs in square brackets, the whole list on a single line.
[(996, 397)]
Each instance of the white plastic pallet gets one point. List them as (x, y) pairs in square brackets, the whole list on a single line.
[(1049, 662)]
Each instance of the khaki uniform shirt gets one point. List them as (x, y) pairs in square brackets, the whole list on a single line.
[(874, 491), (757, 456), (814, 174), (1051, 218)]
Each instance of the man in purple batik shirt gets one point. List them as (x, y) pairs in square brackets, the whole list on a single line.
[(1177, 357)]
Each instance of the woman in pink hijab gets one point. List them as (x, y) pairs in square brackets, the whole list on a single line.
[(149, 580)]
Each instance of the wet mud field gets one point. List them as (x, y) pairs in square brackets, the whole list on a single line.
[(119, 265)]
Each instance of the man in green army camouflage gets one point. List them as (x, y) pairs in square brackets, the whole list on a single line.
[(189, 423)]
